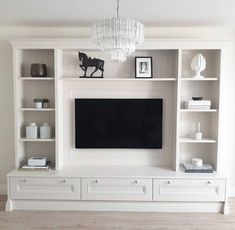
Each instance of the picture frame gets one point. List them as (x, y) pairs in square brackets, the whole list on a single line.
[(143, 67)]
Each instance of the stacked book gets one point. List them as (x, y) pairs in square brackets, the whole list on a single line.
[(190, 168), (198, 104), (37, 164)]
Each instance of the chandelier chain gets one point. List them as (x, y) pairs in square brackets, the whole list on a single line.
[(118, 2)]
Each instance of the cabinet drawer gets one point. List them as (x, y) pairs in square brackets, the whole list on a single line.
[(189, 190), (45, 188), (117, 189)]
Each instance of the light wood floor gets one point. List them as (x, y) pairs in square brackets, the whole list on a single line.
[(28, 220)]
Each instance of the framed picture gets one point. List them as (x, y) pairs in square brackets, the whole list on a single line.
[(143, 67)]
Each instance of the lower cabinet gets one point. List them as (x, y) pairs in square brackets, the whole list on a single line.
[(189, 190), (117, 189), (45, 188)]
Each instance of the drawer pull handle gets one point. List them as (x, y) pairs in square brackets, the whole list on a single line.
[(208, 182), (62, 181), (96, 181), (135, 181), (168, 182), (24, 181)]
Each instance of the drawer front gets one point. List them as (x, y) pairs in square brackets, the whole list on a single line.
[(45, 188), (117, 189), (189, 190)]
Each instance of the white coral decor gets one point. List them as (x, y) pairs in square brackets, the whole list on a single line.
[(198, 64)]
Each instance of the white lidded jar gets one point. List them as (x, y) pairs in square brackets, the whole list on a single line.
[(32, 131), (45, 131)]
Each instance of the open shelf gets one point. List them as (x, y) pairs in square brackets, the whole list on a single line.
[(37, 140), (117, 79), (38, 110), (200, 79), (189, 140), (199, 110), (36, 78)]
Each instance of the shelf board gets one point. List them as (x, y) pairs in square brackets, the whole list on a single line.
[(117, 79), (199, 110), (37, 140), (189, 140), (37, 78), (202, 79), (38, 110)]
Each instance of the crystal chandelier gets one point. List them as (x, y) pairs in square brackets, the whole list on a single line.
[(118, 37)]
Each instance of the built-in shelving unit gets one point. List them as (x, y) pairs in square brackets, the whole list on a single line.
[(172, 80), (27, 89), (138, 174)]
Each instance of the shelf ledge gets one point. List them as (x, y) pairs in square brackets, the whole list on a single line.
[(37, 140), (189, 140), (117, 79), (201, 79), (199, 110), (37, 78), (38, 110)]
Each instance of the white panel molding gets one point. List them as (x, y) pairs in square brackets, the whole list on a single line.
[(3, 189)]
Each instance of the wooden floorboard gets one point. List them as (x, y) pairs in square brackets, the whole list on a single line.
[(27, 220)]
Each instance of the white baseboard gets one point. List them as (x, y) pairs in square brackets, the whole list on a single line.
[(3, 189), (231, 192), (189, 207)]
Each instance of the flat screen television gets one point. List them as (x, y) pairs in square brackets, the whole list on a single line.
[(118, 123)]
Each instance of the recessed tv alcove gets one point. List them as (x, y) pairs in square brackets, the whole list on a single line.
[(118, 123)]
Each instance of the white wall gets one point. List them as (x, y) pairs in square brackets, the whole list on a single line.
[(6, 113), (6, 87)]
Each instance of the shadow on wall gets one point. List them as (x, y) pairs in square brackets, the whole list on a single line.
[(6, 113)]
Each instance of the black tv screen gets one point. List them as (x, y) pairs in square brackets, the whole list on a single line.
[(118, 123)]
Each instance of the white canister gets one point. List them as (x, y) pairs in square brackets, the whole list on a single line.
[(197, 136), (45, 131), (32, 131), (38, 105)]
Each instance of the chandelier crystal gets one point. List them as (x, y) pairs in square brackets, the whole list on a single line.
[(118, 37)]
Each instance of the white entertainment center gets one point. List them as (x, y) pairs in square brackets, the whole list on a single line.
[(118, 179)]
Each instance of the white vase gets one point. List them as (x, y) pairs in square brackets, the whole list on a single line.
[(32, 131), (198, 64), (45, 131)]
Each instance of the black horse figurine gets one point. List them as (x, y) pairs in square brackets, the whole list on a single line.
[(90, 62)]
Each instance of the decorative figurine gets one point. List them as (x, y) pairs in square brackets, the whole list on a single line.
[(91, 62), (198, 64)]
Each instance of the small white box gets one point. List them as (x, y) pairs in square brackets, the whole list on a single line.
[(37, 161)]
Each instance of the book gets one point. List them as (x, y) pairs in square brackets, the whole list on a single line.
[(37, 161), (46, 168), (190, 168), (202, 102), (198, 107)]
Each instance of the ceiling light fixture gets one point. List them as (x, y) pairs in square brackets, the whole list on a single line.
[(118, 37)]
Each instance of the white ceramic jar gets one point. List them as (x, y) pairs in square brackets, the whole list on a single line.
[(32, 131), (45, 131), (38, 105)]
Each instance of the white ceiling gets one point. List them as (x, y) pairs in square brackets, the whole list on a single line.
[(161, 13)]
